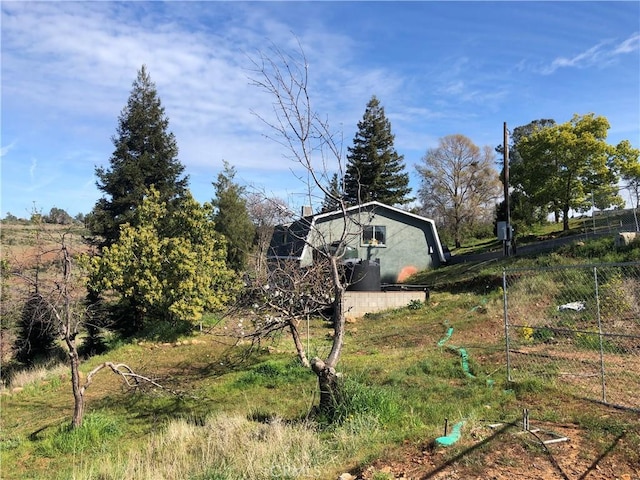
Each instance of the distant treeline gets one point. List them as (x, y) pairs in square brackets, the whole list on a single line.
[(56, 216)]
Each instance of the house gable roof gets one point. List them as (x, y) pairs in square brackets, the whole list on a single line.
[(372, 206), (304, 225)]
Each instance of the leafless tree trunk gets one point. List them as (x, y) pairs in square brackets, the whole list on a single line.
[(459, 184), (297, 340), (70, 332), (55, 295), (313, 146)]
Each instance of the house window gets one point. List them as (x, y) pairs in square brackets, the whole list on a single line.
[(374, 235)]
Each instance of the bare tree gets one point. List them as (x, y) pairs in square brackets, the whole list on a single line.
[(290, 296), (312, 145), (54, 293), (459, 184), (265, 213)]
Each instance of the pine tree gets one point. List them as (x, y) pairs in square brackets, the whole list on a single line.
[(36, 337), (374, 170), (333, 196), (145, 154), (232, 219)]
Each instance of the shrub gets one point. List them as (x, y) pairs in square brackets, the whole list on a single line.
[(36, 339)]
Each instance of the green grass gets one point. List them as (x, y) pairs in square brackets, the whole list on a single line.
[(240, 413), (486, 277), (404, 391), (272, 374), (96, 434)]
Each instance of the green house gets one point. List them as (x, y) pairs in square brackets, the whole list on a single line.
[(401, 242)]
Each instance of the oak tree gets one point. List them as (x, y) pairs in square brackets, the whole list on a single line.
[(459, 184), (565, 165), (523, 208), (628, 164)]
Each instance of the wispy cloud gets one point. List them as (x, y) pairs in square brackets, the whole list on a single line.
[(67, 70), (32, 169), (5, 149), (599, 55), (90, 52), (630, 45)]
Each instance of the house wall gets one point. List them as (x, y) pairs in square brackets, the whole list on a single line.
[(357, 304), (410, 243)]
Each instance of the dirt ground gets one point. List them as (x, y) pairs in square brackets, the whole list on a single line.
[(510, 453)]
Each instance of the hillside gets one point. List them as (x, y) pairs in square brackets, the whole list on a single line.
[(229, 411)]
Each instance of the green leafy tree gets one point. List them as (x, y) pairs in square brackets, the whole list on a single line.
[(231, 218), (374, 170), (565, 166), (167, 266), (145, 154), (627, 160), (523, 209), (459, 185), (522, 213), (10, 218), (518, 134), (58, 216)]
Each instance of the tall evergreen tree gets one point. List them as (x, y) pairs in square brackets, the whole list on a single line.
[(333, 196), (374, 170), (231, 218), (145, 154)]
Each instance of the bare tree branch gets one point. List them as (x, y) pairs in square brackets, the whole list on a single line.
[(292, 293), (129, 377)]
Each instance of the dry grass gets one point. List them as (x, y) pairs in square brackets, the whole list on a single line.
[(23, 244), (24, 378), (230, 447)]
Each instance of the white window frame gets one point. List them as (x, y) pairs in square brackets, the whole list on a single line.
[(378, 236)]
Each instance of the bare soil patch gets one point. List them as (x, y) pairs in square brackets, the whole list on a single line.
[(508, 454)]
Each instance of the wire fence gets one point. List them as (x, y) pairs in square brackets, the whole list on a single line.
[(577, 327), (601, 222)]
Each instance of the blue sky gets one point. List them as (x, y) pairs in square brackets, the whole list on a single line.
[(438, 68)]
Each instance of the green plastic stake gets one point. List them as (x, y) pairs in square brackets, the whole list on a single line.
[(452, 438)]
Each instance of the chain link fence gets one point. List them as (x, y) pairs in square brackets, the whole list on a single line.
[(577, 327), (603, 222)]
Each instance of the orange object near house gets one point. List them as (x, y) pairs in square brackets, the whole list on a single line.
[(406, 272)]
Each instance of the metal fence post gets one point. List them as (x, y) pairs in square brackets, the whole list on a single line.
[(506, 322), (599, 318)]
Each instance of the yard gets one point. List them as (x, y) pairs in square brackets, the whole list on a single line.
[(231, 412)]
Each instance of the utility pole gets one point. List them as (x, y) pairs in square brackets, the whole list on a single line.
[(508, 241)]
